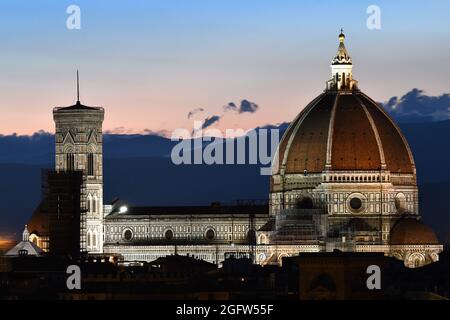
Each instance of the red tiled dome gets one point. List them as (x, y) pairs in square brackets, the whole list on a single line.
[(344, 130), (412, 231)]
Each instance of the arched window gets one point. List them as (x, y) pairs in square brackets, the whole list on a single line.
[(94, 239), (128, 235), (416, 260), (210, 234), (89, 204), (70, 161), (90, 164), (168, 234), (94, 204)]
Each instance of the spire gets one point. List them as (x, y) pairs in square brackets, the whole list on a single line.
[(26, 234), (78, 88), (341, 68), (342, 56), (342, 36)]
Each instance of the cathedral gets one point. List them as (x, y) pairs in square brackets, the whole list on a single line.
[(343, 178)]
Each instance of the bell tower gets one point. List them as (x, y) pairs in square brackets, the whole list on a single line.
[(79, 146)]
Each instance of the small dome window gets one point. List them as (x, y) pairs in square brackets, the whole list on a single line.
[(168, 234), (128, 235), (210, 234)]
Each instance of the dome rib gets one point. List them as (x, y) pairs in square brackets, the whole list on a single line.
[(307, 144), (390, 162), (375, 132), (354, 142), (291, 132), (341, 131), (330, 132)]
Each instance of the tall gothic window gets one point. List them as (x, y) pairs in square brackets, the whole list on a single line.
[(89, 206), (94, 239), (70, 162), (94, 205), (90, 164)]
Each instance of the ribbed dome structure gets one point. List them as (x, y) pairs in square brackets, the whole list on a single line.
[(342, 130)]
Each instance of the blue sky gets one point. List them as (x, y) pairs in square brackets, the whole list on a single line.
[(150, 62)]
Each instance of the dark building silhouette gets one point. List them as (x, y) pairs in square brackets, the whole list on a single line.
[(58, 224), (341, 275)]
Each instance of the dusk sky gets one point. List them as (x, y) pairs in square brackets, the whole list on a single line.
[(149, 63)]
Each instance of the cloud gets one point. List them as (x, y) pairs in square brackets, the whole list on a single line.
[(210, 121), (195, 111), (160, 133), (118, 130), (415, 106), (230, 106), (244, 107), (40, 134), (131, 131), (280, 126)]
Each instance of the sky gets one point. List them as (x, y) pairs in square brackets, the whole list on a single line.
[(150, 63)]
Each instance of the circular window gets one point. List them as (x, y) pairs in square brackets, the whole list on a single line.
[(400, 203), (355, 203), (210, 234), (262, 257), (128, 235), (168, 234)]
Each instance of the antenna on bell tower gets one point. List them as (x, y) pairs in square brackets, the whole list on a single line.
[(78, 88)]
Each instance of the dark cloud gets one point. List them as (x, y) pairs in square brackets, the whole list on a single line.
[(193, 112), (244, 107), (231, 106), (159, 133), (210, 121), (247, 106), (415, 106)]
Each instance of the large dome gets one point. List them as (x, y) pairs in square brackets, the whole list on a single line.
[(342, 130)]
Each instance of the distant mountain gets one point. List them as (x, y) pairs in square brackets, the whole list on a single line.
[(429, 142), (35, 149), (39, 147)]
